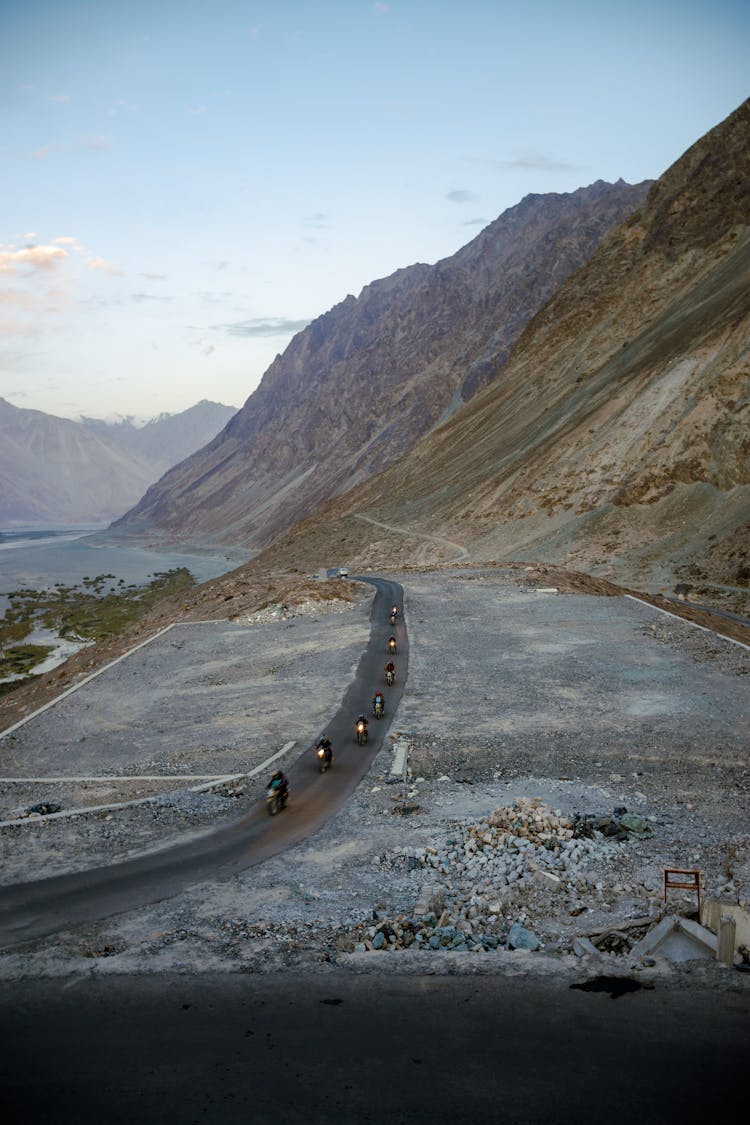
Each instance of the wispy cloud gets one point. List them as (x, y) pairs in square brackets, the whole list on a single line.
[(95, 144), (102, 265), (63, 99), (154, 276), (526, 161), (475, 222), (460, 195), (149, 297), (380, 7), (263, 326), (318, 220), (46, 150)]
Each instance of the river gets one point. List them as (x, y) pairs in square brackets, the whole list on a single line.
[(36, 558)]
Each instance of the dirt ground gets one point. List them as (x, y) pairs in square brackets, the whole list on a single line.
[(567, 703)]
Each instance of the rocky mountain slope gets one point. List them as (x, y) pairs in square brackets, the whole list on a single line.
[(362, 383), (54, 470), (616, 441)]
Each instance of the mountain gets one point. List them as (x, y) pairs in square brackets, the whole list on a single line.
[(168, 439), (361, 384), (615, 440), (53, 470)]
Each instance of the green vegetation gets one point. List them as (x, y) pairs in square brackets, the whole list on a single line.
[(20, 659), (93, 610)]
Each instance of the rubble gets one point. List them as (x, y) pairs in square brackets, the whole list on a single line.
[(488, 876)]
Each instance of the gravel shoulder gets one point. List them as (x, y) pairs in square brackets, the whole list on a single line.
[(562, 704)]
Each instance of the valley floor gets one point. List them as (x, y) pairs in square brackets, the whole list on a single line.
[(516, 700)]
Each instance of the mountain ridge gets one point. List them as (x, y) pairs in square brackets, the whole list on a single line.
[(360, 384), (616, 442)]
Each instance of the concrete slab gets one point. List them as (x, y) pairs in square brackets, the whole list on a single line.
[(713, 910), (398, 765), (677, 939)]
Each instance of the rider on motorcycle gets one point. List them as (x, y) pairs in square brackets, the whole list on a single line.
[(325, 745), (392, 643), (378, 698), (280, 781), (360, 727)]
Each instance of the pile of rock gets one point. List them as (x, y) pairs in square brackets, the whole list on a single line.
[(486, 878), (283, 611)]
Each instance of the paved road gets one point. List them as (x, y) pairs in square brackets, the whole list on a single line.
[(32, 910), (349, 1049)]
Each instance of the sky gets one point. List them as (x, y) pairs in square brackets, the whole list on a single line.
[(185, 185)]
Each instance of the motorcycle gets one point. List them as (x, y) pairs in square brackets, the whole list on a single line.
[(325, 757), (276, 799), (361, 729), (393, 619), (392, 647), (377, 708), (389, 677)]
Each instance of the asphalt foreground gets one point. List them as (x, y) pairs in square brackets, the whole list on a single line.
[(335, 1048), (181, 1011)]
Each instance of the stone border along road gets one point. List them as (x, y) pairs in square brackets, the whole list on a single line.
[(210, 781), (704, 628), (42, 907), (99, 671)]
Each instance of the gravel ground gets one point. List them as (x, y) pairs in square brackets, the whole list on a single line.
[(516, 700)]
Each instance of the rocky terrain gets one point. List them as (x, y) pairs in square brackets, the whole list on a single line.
[(615, 442), (563, 748)]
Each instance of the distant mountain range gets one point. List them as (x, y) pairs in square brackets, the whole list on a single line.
[(571, 387), (54, 470)]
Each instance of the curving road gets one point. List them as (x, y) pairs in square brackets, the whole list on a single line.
[(33, 910)]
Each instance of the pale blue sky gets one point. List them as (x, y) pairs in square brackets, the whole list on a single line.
[(184, 185)]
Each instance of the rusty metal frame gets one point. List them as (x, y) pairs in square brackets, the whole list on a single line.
[(694, 883)]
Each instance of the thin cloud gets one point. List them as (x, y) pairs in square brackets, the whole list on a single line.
[(149, 297), (263, 326), (460, 195), (103, 266), (154, 276), (381, 8), (46, 150), (475, 222), (63, 240), (533, 162), (63, 99), (95, 144)]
